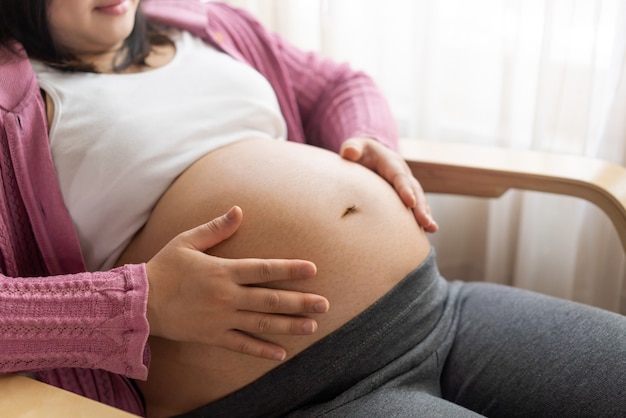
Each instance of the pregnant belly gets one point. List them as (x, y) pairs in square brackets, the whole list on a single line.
[(300, 202)]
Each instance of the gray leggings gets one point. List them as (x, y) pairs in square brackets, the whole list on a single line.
[(430, 348)]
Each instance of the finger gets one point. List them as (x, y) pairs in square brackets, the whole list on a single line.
[(259, 323), (426, 221), (413, 196), (245, 344), (258, 299), (256, 271), (212, 233), (422, 211), (405, 187), (351, 150)]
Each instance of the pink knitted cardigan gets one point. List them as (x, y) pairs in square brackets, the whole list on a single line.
[(87, 332)]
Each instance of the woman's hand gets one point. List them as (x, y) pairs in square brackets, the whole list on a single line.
[(195, 297), (392, 167)]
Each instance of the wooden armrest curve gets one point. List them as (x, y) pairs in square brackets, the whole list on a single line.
[(490, 171)]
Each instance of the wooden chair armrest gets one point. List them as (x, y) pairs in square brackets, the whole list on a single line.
[(21, 396), (490, 171)]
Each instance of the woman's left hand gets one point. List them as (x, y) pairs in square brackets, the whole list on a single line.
[(392, 167)]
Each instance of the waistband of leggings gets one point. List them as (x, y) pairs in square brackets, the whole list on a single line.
[(395, 323)]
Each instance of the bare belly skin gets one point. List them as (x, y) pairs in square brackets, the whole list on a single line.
[(300, 202)]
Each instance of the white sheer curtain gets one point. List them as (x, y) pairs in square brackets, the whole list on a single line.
[(528, 74)]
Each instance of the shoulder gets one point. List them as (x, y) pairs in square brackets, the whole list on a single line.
[(231, 29), (196, 16), (191, 7), (190, 11), (17, 78)]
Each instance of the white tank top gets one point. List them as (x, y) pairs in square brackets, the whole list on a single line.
[(119, 140)]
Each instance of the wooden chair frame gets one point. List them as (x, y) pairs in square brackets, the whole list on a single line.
[(489, 172), (441, 168)]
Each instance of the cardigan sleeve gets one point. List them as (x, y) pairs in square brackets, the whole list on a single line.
[(335, 101), (87, 320), (84, 320)]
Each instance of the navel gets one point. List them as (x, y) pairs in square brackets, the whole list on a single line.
[(350, 210)]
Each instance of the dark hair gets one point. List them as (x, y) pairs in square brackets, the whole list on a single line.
[(25, 21)]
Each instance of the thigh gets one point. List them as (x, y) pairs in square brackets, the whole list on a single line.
[(518, 353), (395, 402)]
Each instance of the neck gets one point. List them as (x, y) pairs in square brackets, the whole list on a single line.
[(102, 63), (105, 62)]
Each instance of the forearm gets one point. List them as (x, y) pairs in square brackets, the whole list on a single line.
[(353, 108), (89, 320), (337, 102)]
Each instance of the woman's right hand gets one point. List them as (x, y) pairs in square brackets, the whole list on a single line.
[(195, 297)]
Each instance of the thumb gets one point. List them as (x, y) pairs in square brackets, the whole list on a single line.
[(352, 150), (217, 230)]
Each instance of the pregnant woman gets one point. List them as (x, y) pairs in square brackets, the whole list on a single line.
[(158, 127), (298, 202)]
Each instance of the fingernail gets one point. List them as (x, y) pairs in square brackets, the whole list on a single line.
[(279, 356), (230, 214), (309, 327), (320, 307), (308, 270)]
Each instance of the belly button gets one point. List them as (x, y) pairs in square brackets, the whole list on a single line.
[(349, 210)]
